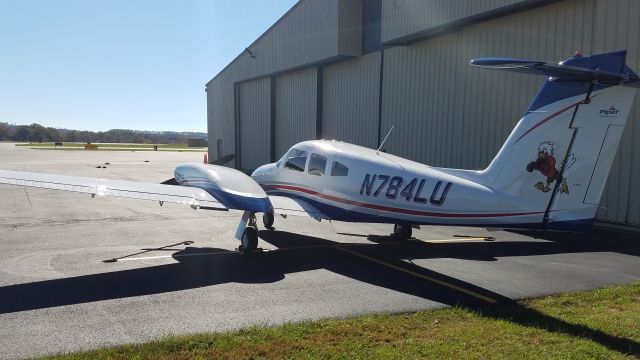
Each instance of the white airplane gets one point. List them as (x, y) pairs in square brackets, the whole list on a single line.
[(549, 174)]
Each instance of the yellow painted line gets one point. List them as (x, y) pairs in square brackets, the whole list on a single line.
[(456, 240), (424, 277)]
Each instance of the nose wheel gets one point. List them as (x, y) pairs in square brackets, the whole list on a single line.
[(402, 232)]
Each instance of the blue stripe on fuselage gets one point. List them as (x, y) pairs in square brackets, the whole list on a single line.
[(340, 214)]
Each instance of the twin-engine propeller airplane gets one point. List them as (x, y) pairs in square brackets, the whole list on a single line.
[(549, 174)]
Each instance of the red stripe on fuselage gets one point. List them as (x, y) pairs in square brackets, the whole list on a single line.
[(551, 117), (394, 209)]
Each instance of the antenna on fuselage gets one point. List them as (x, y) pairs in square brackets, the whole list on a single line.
[(385, 139)]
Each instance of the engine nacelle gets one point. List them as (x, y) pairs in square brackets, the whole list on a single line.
[(232, 188)]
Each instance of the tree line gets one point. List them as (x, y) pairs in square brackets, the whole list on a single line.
[(39, 133)]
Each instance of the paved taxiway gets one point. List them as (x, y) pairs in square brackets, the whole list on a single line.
[(57, 294)]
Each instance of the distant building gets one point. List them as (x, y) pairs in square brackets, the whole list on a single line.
[(350, 69), (197, 142)]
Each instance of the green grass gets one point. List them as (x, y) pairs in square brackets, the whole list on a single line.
[(601, 324), (110, 147)]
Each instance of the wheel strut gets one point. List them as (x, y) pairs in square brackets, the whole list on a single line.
[(247, 232)]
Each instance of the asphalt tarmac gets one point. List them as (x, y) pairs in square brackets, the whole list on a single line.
[(59, 292)]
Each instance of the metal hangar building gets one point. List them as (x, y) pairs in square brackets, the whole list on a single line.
[(350, 69)]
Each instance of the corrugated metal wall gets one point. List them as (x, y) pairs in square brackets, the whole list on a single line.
[(296, 95), (419, 97), (307, 35), (350, 100), (314, 31), (616, 26), (446, 113), (494, 101), (406, 17), (349, 18), (220, 117), (255, 123), (450, 114)]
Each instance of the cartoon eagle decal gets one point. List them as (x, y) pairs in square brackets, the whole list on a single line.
[(545, 163)]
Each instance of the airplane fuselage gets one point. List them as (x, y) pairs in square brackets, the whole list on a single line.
[(380, 187)]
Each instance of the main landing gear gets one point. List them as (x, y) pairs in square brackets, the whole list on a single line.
[(402, 232), (267, 220), (247, 233), (249, 242)]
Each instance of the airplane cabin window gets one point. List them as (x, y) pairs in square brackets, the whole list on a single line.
[(337, 169), (317, 165), (296, 160)]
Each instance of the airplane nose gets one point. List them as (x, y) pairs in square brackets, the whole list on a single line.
[(264, 170), (234, 189)]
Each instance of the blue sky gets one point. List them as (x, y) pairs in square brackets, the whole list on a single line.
[(134, 64)]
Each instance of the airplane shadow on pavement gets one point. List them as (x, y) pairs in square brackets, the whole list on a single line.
[(383, 264)]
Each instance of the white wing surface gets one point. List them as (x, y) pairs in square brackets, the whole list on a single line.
[(192, 196), (287, 206)]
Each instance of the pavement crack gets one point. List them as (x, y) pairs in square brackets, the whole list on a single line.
[(49, 222), (26, 192)]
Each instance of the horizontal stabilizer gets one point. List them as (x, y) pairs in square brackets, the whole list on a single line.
[(581, 69)]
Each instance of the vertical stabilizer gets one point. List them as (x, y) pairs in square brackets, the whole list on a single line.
[(560, 153)]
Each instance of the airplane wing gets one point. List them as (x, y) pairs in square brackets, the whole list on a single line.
[(226, 189), (295, 207), (195, 197)]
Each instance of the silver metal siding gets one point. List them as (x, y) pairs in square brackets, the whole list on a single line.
[(350, 100), (255, 122), (419, 98), (312, 32), (481, 107), (493, 101), (405, 17), (617, 26), (350, 20), (296, 95), (220, 117), (447, 112), (308, 34)]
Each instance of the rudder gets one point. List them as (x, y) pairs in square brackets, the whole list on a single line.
[(559, 155)]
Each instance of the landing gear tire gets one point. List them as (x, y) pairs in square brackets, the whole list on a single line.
[(402, 232), (249, 242), (267, 220)]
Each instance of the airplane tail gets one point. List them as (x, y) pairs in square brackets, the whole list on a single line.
[(558, 157)]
